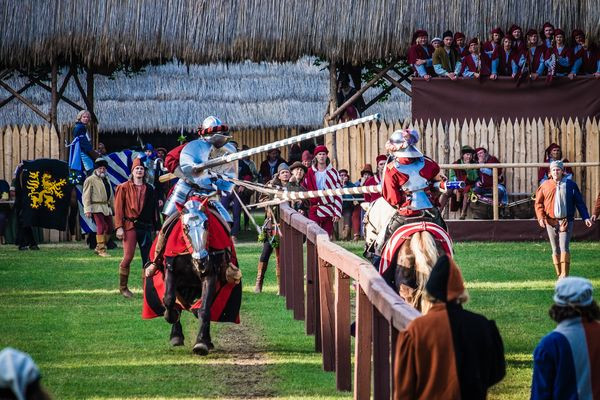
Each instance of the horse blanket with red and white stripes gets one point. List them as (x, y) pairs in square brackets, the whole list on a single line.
[(327, 206), (405, 232)]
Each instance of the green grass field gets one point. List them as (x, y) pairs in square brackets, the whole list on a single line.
[(61, 305)]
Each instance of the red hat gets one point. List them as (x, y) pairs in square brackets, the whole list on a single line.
[(381, 157), (532, 32), (513, 28), (474, 41), (306, 156), (559, 32), (137, 162), (549, 150), (547, 25), (577, 32), (459, 35), (421, 32), (480, 148), (498, 31), (509, 37), (366, 168), (320, 149)]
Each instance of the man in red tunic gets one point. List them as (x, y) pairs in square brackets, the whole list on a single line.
[(381, 161), (325, 210), (420, 55)]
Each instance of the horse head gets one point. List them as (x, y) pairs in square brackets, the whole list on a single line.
[(195, 228)]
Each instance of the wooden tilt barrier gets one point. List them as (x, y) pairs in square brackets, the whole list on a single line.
[(495, 166), (322, 300)]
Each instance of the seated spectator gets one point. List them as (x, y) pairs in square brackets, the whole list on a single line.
[(585, 57), (307, 158), (475, 64), (547, 34), (381, 161), (350, 208), (344, 92), (535, 55), (559, 58), (20, 377), (450, 352), (446, 60), (566, 362), (365, 173), (518, 43), (495, 36), (553, 153), (468, 176), (268, 168), (485, 182), (436, 43), (460, 44), (420, 55), (506, 60), (596, 211)]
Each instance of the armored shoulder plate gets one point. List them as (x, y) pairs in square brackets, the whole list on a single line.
[(200, 151)]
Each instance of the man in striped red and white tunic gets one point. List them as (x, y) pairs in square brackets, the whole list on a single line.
[(325, 210)]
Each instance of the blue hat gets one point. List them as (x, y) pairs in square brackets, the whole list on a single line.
[(148, 146), (17, 371), (573, 291)]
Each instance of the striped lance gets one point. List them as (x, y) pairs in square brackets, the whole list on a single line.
[(281, 143)]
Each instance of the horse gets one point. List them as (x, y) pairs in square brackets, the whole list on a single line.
[(407, 254), (202, 278)]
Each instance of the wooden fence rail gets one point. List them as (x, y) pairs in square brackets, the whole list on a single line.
[(321, 298)]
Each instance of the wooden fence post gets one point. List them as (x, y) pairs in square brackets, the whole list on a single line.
[(381, 356), (282, 258), (297, 261), (327, 315), (495, 193), (313, 312), (343, 367), (362, 346)]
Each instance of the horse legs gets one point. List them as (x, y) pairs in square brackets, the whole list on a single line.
[(203, 341), (171, 312), (177, 337)]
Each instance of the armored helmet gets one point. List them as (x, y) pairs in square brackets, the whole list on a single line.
[(406, 139)]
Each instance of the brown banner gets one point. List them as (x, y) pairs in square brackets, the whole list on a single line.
[(444, 99)]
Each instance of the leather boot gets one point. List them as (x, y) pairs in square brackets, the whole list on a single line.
[(556, 262), (565, 264), (260, 276), (101, 246), (123, 278), (278, 270)]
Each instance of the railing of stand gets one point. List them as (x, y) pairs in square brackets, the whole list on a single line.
[(496, 166), (320, 295)]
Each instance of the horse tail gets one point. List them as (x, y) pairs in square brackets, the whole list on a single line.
[(425, 249)]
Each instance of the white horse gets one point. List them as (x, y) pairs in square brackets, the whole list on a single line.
[(415, 257)]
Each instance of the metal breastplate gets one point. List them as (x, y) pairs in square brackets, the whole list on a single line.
[(415, 185), (199, 151), (179, 195)]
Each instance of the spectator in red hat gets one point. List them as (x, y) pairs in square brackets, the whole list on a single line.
[(485, 183), (547, 34), (553, 153), (307, 158), (268, 168), (420, 55), (468, 176), (496, 35), (506, 60), (446, 60), (460, 44), (476, 64), (585, 57), (535, 55), (326, 210), (380, 161), (562, 56), (518, 42)]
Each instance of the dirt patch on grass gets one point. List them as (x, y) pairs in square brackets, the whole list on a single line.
[(246, 373)]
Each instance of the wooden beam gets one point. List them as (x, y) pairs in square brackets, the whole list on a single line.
[(332, 104), (54, 95), (379, 96), (89, 107), (398, 85), (89, 79), (12, 96), (48, 89), (25, 101), (362, 90), (64, 84)]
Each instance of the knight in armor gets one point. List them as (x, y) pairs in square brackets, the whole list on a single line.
[(408, 181)]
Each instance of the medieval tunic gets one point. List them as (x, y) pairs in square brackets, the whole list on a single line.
[(418, 52), (585, 60), (323, 209), (446, 61), (535, 59), (373, 180), (476, 63), (506, 63), (468, 176), (564, 60), (566, 362), (545, 199), (394, 180), (449, 353)]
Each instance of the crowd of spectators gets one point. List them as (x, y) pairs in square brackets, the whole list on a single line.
[(547, 51)]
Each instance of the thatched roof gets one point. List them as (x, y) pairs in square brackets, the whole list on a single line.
[(105, 32), (165, 98)]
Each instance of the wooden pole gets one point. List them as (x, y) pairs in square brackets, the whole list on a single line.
[(12, 96), (25, 101), (332, 105), (516, 165), (84, 96), (48, 89), (54, 96), (495, 193)]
